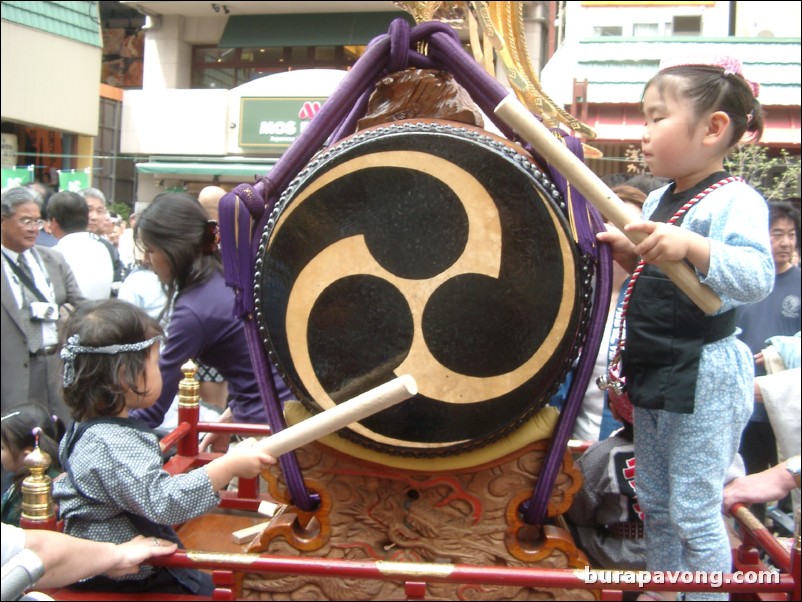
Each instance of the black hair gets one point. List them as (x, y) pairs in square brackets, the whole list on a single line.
[(781, 210), (630, 194), (70, 210), (646, 182), (101, 380), (177, 224), (17, 432), (711, 88)]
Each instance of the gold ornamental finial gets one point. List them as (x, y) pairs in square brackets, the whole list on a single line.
[(189, 387), (502, 30), (37, 488), (503, 24), (452, 13), (420, 11)]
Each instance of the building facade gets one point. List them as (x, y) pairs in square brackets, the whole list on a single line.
[(611, 49), (51, 57), (225, 92), (196, 92)]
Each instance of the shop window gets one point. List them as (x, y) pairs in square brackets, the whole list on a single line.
[(226, 68), (301, 57), (223, 78), (687, 26), (214, 55), (603, 31), (645, 30), (262, 56)]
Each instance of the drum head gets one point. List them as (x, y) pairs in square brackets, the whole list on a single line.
[(428, 249)]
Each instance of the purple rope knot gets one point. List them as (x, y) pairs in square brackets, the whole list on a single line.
[(399, 45), (253, 201)]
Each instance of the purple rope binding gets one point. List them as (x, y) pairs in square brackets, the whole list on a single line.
[(587, 222), (245, 211), (236, 209)]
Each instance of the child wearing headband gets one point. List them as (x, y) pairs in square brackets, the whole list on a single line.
[(21, 427), (688, 376), (115, 487)]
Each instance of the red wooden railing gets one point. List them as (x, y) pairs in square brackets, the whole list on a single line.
[(742, 583)]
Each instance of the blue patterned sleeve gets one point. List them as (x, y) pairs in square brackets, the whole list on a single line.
[(736, 222), (130, 475)]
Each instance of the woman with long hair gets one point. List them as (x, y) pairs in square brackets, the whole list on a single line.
[(180, 246)]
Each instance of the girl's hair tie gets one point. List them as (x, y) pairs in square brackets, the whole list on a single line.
[(728, 64)]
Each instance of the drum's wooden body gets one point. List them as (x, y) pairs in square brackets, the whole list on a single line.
[(369, 512), (427, 248)]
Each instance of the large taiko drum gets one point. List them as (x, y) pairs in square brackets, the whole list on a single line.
[(428, 248)]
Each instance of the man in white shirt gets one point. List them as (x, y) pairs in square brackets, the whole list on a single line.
[(87, 256), (98, 216), (125, 246)]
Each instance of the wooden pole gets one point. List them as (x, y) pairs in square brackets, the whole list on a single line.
[(353, 410)]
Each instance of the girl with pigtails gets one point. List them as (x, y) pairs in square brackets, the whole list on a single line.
[(689, 378)]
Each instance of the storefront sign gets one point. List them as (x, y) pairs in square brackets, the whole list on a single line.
[(275, 123), (9, 150), (72, 180)]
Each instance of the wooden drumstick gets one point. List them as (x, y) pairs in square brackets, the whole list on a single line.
[(515, 115), (343, 414)]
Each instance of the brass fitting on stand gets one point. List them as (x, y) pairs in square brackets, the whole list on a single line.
[(37, 488), (189, 387)]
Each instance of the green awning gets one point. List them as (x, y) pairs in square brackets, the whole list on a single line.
[(206, 169), (319, 29)]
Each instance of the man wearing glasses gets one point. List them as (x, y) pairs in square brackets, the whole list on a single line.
[(36, 283)]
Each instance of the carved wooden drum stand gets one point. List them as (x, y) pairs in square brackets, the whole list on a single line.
[(435, 249)]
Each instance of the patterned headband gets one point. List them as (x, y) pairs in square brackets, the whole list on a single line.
[(730, 65), (73, 347)]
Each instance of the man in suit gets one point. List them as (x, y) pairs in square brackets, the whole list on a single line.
[(34, 288)]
